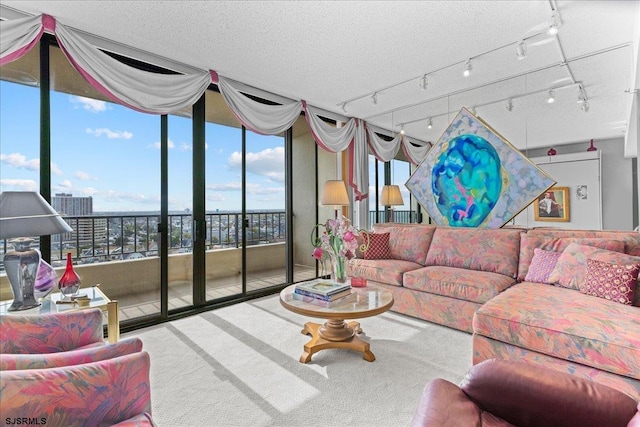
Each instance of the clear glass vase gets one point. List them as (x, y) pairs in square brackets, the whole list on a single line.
[(339, 269)]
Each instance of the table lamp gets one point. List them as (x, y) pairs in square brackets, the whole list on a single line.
[(391, 197), (334, 194), (25, 213)]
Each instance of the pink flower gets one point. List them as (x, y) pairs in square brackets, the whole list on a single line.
[(317, 253), (348, 236)]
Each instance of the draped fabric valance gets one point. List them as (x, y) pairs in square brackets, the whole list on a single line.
[(166, 93), (260, 118)]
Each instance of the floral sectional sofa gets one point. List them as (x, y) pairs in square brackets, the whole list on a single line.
[(479, 281)]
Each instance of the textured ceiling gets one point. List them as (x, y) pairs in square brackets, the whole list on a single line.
[(329, 53)]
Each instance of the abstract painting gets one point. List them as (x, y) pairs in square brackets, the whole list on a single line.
[(473, 177)]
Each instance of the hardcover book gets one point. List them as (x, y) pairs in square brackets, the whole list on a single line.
[(323, 287), (331, 297), (319, 302)]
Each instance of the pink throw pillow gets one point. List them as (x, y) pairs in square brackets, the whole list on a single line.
[(613, 282), (571, 269), (378, 246), (542, 265)]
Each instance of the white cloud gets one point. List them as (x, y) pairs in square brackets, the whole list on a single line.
[(252, 188), (66, 184), (185, 147), (55, 170), (18, 160), (229, 186), (19, 184), (118, 196), (84, 176), (111, 134), (89, 191), (92, 105), (268, 162), (157, 145)]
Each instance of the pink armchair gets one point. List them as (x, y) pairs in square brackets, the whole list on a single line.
[(100, 393), (50, 333)]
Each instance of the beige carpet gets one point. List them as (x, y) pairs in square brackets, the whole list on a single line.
[(238, 366)]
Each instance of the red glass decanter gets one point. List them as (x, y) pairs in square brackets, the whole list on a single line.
[(70, 281)]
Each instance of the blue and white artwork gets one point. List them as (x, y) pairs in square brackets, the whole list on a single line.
[(472, 177)]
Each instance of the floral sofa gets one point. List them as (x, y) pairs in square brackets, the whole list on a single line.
[(476, 280)]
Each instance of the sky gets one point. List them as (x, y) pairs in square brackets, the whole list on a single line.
[(112, 153)]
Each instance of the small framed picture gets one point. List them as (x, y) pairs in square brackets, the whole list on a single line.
[(552, 205), (581, 192)]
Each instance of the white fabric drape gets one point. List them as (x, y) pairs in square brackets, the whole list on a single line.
[(415, 150), (330, 138), (359, 164), (384, 151), (141, 90), (18, 37), (260, 118)]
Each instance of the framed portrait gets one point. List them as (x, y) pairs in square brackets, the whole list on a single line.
[(552, 205)]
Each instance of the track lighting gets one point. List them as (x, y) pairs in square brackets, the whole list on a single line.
[(374, 98), (509, 105), (521, 50), (552, 97), (473, 111), (430, 123), (425, 82), (554, 23), (467, 68), (585, 106), (402, 130)]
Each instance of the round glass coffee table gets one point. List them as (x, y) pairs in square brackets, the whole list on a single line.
[(335, 332)]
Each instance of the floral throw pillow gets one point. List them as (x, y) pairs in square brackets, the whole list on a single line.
[(378, 246), (571, 268), (613, 282), (542, 265)]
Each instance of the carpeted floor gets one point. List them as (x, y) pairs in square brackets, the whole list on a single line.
[(238, 366)]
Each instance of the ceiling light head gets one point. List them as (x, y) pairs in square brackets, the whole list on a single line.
[(374, 98), (344, 107), (582, 95), (521, 50), (554, 23), (430, 123), (402, 130), (467, 68), (552, 97), (585, 106), (509, 105), (473, 111), (424, 82)]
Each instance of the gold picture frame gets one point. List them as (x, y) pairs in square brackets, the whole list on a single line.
[(552, 205)]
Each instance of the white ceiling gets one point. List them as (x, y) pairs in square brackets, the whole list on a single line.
[(332, 52)]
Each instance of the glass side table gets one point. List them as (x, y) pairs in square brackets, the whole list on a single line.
[(54, 304)]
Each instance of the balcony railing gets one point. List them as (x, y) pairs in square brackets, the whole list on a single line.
[(102, 238)]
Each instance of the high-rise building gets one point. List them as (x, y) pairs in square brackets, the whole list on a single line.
[(85, 230)]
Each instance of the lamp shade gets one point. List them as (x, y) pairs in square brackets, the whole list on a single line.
[(334, 193), (27, 214), (391, 196)]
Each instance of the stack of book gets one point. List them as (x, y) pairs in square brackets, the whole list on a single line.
[(321, 292)]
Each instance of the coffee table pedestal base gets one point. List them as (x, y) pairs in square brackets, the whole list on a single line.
[(334, 334)]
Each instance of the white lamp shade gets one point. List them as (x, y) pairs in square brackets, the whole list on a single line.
[(334, 193), (391, 196), (27, 214)]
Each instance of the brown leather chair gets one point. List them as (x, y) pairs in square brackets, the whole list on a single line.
[(507, 393)]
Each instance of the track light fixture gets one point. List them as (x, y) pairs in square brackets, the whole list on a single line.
[(374, 98), (509, 105), (554, 23), (467, 68), (402, 130), (521, 50), (473, 111), (585, 106), (552, 97), (424, 82), (430, 123)]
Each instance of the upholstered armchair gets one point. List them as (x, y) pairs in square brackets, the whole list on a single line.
[(508, 393), (101, 393), (50, 333)]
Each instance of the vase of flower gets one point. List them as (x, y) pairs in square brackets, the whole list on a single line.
[(70, 281), (337, 243)]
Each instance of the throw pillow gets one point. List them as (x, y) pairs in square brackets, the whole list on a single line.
[(571, 269), (542, 265), (613, 282), (378, 246)]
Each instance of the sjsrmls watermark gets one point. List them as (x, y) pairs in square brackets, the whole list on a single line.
[(26, 421)]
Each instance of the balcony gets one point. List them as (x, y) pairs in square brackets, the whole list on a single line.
[(120, 252)]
